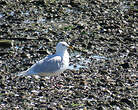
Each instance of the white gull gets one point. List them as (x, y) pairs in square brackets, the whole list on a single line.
[(52, 64)]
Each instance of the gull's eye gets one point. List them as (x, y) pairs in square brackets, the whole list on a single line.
[(63, 45)]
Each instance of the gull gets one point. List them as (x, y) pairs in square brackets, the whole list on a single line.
[(52, 64)]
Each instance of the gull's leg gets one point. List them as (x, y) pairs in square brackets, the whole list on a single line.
[(54, 83), (58, 82)]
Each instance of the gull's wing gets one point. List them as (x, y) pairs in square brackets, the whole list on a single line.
[(50, 64)]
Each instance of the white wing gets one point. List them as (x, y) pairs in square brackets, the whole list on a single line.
[(50, 64)]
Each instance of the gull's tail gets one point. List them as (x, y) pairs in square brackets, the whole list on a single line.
[(24, 73)]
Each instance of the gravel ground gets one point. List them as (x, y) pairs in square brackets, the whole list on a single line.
[(103, 72)]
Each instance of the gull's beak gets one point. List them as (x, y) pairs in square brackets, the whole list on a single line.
[(70, 47)]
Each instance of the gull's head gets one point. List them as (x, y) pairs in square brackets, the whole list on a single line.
[(62, 47)]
